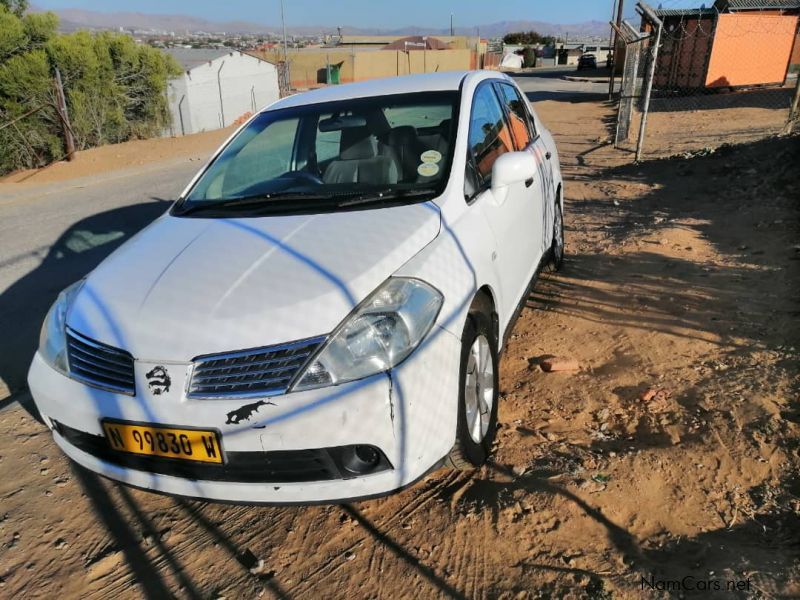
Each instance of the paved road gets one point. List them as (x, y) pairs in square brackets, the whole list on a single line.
[(51, 235), (547, 84)]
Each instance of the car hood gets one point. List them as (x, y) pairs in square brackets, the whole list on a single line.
[(184, 287)]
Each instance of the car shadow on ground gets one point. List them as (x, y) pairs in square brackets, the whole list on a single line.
[(78, 250), (759, 549)]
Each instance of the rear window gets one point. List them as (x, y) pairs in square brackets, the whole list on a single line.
[(517, 115)]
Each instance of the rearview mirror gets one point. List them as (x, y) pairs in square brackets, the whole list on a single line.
[(509, 169), (343, 122)]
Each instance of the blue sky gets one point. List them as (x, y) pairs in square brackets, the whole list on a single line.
[(369, 13)]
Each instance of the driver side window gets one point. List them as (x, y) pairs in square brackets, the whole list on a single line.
[(266, 156)]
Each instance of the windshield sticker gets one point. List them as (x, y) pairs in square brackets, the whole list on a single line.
[(428, 169), (430, 156)]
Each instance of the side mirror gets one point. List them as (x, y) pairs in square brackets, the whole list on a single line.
[(509, 169)]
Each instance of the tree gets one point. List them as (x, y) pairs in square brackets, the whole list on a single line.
[(522, 37), (528, 38), (16, 7), (115, 88)]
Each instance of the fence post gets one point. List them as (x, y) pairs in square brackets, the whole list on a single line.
[(632, 42), (650, 75), (795, 106), (219, 86), (61, 109)]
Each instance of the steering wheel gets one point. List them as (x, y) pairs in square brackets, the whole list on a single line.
[(304, 175)]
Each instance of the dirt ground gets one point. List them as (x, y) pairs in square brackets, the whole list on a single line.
[(682, 275), (113, 157), (691, 123)]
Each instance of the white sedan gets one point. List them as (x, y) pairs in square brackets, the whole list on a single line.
[(318, 316)]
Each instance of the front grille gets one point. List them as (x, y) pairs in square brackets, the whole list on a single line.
[(250, 373), (99, 365), (277, 466)]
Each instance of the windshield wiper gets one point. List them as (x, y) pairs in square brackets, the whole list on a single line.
[(255, 201), (278, 201), (386, 195)]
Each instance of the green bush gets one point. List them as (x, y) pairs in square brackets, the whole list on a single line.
[(114, 88)]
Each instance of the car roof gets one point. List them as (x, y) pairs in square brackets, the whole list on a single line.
[(406, 84)]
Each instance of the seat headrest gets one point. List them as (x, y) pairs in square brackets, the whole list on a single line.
[(401, 135), (357, 144)]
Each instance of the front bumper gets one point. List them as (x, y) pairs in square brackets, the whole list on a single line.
[(408, 414)]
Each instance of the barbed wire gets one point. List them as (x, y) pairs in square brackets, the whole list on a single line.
[(712, 13)]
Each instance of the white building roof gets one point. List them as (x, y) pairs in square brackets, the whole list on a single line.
[(189, 58)]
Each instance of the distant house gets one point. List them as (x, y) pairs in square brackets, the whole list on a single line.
[(735, 43), (569, 56), (218, 87)]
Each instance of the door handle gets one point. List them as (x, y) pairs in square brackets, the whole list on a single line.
[(548, 155), (529, 182)]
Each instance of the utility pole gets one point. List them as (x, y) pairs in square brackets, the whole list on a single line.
[(285, 50), (609, 56), (61, 109), (451, 24), (612, 66)]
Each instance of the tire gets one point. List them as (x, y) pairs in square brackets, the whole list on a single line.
[(557, 245), (476, 430)]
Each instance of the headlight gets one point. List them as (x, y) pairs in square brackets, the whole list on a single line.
[(382, 331), (53, 337)]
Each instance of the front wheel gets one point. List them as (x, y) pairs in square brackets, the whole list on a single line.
[(477, 398)]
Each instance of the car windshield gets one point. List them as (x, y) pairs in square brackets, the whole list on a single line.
[(331, 156)]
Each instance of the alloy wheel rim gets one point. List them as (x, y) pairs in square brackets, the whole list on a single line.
[(479, 389)]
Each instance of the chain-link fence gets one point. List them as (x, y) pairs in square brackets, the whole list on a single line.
[(698, 78)]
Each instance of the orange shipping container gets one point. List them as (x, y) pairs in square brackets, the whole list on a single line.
[(750, 49)]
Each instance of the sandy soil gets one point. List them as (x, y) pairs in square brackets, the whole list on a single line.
[(681, 274), (687, 124), (114, 157)]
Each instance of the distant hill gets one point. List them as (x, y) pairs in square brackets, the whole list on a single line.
[(73, 19)]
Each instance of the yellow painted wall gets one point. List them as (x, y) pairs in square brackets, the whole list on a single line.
[(304, 65), (359, 65), (387, 63)]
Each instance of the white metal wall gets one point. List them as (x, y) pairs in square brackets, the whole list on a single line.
[(247, 85)]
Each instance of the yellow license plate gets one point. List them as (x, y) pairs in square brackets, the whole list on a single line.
[(153, 440)]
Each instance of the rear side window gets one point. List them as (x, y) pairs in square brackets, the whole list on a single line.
[(517, 115), (424, 115), (489, 135)]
